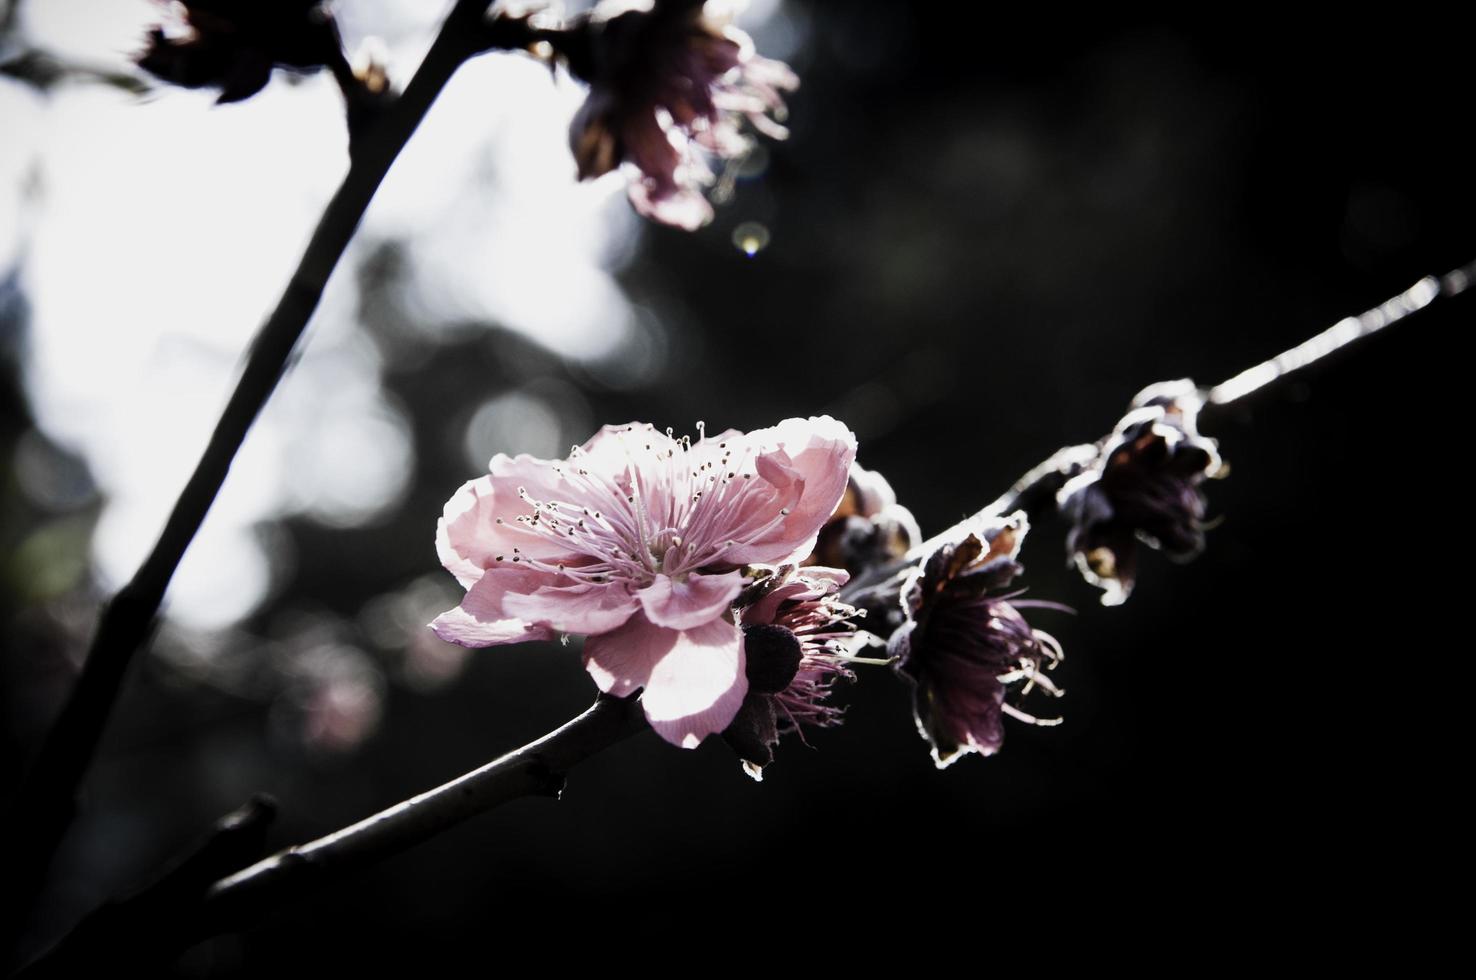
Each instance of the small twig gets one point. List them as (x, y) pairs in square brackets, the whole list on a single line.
[(1035, 492), (43, 810), (238, 901), (1341, 334)]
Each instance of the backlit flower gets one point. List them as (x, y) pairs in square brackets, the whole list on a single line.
[(797, 638), (966, 647), (1145, 486), (233, 45), (868, 529), (669, 87), (640, 540)]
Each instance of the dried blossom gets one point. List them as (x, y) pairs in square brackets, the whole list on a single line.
[(641, 541), (234, 44), (1145, 486), (798, 635), (966, 647), (868, 529), (669, 88)]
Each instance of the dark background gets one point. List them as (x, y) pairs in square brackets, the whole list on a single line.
[(989, 231)]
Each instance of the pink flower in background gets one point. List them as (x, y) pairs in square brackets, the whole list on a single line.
[(668, 86), (639, 541)]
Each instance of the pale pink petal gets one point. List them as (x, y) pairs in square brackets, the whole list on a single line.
[(616, 449), (812, 454), (693, 679), (687, 604), (698, 685), (464, 629), (480, 520), (621, 660), (573, 608), (710, 448), (481, 620)]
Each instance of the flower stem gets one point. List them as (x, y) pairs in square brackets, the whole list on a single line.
[(42, 811)]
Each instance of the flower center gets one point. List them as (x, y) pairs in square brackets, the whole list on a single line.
[(654, 506)]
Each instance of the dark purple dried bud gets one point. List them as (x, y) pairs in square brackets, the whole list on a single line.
[(1144, 487), (966, 649), (234, 44), (796, 639)]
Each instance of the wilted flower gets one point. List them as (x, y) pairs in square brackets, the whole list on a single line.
[(234, 44), (797, 639), (640, 541), (1144, 486), (869, 528), (965, 646), (669, 84)]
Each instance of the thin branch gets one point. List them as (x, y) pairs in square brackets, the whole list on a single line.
[(238, 901), (1341, 334), (1035, 492), (44, 808)]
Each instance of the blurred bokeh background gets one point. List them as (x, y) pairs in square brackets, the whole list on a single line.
[(986, 232)]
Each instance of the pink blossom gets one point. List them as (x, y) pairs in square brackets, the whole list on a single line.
[(670, 87), (640, 541)]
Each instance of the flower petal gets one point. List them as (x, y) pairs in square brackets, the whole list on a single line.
[(573, 608), (694, 679), (480, 520), (620, 661), (814, 454), (698, 685), (481, 621), (691, 602)]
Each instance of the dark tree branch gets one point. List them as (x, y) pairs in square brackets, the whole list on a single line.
[(189, 905), (44, 807), (139, 930)]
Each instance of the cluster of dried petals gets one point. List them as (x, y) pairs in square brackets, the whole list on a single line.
[(868, 529), (1144, 487), (798, 637), (641, 541), (669, 88), (966, 647), (233, 45)]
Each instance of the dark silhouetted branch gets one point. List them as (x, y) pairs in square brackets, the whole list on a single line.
[(189, 904), (44, 807)]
